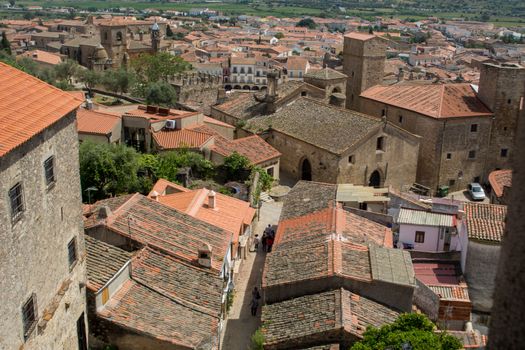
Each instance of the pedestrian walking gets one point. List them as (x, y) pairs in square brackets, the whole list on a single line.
[(254, 305), (269, 243), (256, 294), (256, 243), (264, 241)]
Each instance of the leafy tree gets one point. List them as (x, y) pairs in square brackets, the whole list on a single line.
[(89, 78), (169, 32), (279, 35), (169, 164), (161, 66), (118, 81), (112, 169), (234, 165), (307, 22), (67, 70), (12, 3), (5, 45), (265, 179), (414, 329), (161, 93)]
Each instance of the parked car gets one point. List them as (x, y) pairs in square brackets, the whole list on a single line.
[(476, 191)]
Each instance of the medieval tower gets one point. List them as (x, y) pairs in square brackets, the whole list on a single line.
[(155, 38), (502, 90), (363, 63), (114, 40)]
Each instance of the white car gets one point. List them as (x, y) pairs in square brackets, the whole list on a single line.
[(476, 191)]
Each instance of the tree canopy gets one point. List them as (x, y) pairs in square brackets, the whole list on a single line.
[(161, 66), (161, 93), (5, 45), (413, 331), (307, 22)]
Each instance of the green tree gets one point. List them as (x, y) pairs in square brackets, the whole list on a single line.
[(112, 169), (307, 22), (89, 78), (414, 329), (234, 165), (118, 81), (169, 164), (5, 45), (161, 93), (67, 70), (12, 3), (279, 35), (169, 32), (161, 66)]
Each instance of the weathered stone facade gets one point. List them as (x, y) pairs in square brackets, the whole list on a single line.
[(197, 90), (502, 89), (34, 250), (363, 63), (445, 144)]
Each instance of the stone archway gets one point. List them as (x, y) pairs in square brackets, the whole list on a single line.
[(375, 179), (255, 88), (237, 87), (227, 87), (306, 170), (246, 87)]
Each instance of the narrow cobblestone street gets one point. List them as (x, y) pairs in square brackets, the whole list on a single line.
[(240, 324)]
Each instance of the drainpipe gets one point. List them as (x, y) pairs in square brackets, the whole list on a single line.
[(441, 153)]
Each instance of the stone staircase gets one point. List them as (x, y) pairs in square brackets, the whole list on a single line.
[(265, 197)]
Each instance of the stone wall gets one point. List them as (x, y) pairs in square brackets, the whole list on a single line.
[(397, 164), (198, 90), (502, 89), (396, 296), (33, 253), (364, 64), (438, 139), (426, 300), (480, 273)]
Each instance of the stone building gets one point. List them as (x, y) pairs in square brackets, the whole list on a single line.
[(454, 125), (502, 90), (198, 90), (363, 63), (42, 253), (332, 82), (325, 143)]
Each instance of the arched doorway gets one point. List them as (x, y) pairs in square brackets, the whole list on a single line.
[(227, 87), (237, 87), (306, 170), (246, 87), (375, 179)]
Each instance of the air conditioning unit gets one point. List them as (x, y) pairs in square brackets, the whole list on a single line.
[(171, 124)]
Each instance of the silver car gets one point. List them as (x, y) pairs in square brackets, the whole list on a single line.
[(476, 191)]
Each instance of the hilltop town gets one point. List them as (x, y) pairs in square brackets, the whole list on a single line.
[(199, 180)]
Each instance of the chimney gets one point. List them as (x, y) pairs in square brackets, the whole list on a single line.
[(103, 212), (89, 104), (204, 255), (155, 195), (212, 199), (271, 94)]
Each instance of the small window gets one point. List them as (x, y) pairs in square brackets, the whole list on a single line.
[(351, 159), (449, 155), (451, 182), (504, 152), (17, 200), (303, 93), (49, 170), (509, 101), (420, 237), (471, 154), (400, 119), (383, 112), (476, 179), (474, 128), (72, 252), (380, 144), (119, 36), (29, 316)]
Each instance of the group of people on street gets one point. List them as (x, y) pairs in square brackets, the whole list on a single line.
[(266, 240)]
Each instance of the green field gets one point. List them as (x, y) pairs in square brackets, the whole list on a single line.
[(279, 10)]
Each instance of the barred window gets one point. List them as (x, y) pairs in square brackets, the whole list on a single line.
[(72, 251), (17, 200), (420, 237), (29, 316), (49, 170)]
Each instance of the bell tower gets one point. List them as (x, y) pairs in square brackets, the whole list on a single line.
[(155, 38)]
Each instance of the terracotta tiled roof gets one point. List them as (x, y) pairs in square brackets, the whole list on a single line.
[(436, 101), (360, 36), (150, 222), (499, 179), (317, 314), (296, 63), (96, 122), (230, 213), (42, 56), (146, 311), (459, 292), (324, 126), (333, 242), (28, 106), (208, 120), (485, 222), (172, 139), (307, 197), (103, 262), (253, 147), (192, 286)]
